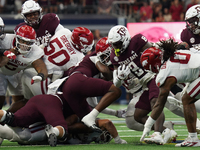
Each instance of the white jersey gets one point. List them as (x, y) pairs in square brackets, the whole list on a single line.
[(184, 66), (22, 61), (60, 55), (7, 42)]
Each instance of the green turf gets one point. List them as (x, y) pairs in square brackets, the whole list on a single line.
[(132, 137)]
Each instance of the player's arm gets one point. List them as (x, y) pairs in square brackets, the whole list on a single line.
[(162, 98), (107, 73), (159, 105), (41, 69)]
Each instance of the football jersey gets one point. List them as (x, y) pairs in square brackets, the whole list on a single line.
[(193, 40), (46, 29), (60, 54), (22, 61), (183, 66), (131, 58), (7, 42)]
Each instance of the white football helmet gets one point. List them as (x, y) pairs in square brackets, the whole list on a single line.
[(192, 18), (28, 7), (119, 37), (2, 34)]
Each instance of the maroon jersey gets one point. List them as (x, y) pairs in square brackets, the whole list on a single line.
[(193, 40), (87, 67), (46, 28), (81, 85), (131, 56)]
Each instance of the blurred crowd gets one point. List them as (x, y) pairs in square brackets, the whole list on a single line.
[(137, 10)]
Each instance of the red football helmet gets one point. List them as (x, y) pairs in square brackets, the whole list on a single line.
[(151, 59), (103, 50), (82, 39), (25, 38)]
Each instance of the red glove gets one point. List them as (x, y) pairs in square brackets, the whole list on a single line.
[(10, 55)]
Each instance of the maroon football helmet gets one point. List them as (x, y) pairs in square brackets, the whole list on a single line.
[(151, 59), (103, 50), (25, 38), (82, 39)]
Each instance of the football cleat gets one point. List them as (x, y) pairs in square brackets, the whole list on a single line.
[(155, 138), (189, 142), (52, 138), (169, 135)]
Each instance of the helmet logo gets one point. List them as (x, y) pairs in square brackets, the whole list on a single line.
[(122, 31), (144, 63), (83, 39), (198, 9)]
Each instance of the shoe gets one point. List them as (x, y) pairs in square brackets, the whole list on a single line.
[(169, 135), (121, 113), (189, 142), (52, 138), (155, 138)]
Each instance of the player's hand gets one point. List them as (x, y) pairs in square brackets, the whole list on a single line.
[(146, 131), (123, 72), (10, 55)]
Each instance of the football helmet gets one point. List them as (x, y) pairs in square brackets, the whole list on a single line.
[(151, 59), (2, 34), (192, 18), (119, 38), (25, 38), (103, 50), (30, 7), (82, 39)]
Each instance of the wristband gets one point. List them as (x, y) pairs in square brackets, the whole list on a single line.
[(41, 75)]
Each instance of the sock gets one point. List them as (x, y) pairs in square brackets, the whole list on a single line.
[(193, 135), (56, 131), (3, 116), (117, 139)]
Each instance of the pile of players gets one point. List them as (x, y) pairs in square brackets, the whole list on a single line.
[(54, 83)]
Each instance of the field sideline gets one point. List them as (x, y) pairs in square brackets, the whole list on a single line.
[(132, 137)]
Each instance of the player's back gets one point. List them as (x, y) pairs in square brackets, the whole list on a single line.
[(184, 66), (60, 55)]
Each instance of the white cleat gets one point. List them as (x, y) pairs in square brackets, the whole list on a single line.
[(155, 138), (52, 138), (189, 142), (169, 135)]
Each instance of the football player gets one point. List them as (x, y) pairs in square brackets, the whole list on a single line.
[(174, 66), (28, 55), (128, 72), (45, 26)]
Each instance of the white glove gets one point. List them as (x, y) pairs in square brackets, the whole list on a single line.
[(38, 78), (46, 40), (123, 72), (147, 127)]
